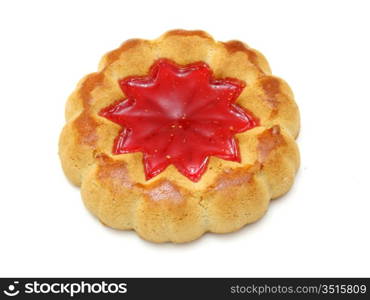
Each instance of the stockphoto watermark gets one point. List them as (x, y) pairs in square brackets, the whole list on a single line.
[(71, 289)]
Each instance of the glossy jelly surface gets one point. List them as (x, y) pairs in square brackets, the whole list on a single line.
[(179, 115)]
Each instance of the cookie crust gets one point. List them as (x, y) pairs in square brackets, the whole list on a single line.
[(170, 207)]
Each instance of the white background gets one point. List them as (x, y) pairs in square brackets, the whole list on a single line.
[(321, 228)]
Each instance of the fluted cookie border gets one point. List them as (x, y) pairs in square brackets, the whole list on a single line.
[(169, 207)]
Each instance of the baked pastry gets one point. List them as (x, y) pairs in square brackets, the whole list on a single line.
[(179, 136)]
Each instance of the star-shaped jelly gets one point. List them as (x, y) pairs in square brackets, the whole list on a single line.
[(179, 115)]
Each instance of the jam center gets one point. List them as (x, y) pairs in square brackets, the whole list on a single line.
[(179, 115)]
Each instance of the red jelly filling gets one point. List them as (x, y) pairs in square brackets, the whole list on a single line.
[(179, 115)]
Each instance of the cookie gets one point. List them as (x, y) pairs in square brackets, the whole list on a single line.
[(180, 135)]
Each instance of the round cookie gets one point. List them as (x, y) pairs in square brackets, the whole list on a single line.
[(228, 178)]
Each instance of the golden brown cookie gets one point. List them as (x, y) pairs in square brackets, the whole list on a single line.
[(180, 135)]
